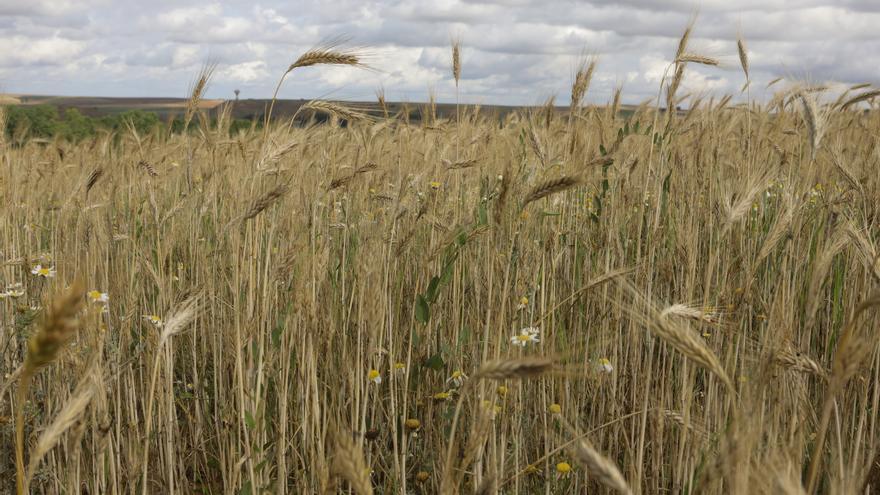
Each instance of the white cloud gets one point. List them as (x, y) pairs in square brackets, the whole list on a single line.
[(22, 51), (245, 72)]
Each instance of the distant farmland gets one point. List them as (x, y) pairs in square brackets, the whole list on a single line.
[(167, 108)]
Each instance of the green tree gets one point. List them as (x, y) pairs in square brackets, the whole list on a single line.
[(142, 121), (39, 120), (77, 126)]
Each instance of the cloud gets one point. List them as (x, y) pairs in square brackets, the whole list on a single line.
[(515, 51), (20, 51)]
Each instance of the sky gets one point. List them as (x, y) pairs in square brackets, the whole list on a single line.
[(514, 51)]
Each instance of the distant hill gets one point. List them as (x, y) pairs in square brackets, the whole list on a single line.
[(166, 108)]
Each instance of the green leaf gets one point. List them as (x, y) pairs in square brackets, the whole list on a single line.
[(434, 362), (482, 214), (423, 311), (246, 488), (433, 287), (249, 420), (448, 268)]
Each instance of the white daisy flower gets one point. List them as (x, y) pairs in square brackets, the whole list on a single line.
[(526, 336), (374, 377), (523, 303), (43, 271), (98, 297), (155, 320), (457, 378), (604, 366)]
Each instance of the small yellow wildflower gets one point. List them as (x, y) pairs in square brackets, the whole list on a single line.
[(374, 376), (555, 409), (435, 185), (493, 408), (502, 390), (523, 303), (412, 424), (605, 366), (563, 468), (422, 476), (440, 396)]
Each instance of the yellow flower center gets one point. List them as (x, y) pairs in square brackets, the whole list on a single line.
[(555, 409), (523, 337), (373, 374), (44, 272), (563, 467)]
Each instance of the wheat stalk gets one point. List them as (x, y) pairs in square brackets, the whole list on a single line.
[(600, 467), (177, 319), (456, 60), (57, 328), (328, 53), (581, 84), (813, 118), (852, 348), (197, 92), (743, 56), (93, 179), (337, 110), (348, 463), (515, 368), (550, 187), (697, 59), (264, 201), (67, 417), (867, 95), (681, 338)]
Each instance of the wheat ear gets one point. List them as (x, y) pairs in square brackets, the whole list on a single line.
[(57, 328)]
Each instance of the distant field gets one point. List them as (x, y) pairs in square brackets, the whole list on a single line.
[(242, 109)]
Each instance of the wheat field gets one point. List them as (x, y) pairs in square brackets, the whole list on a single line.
[(578, 300)]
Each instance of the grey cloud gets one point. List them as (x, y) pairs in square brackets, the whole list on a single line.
[(516, 51)]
